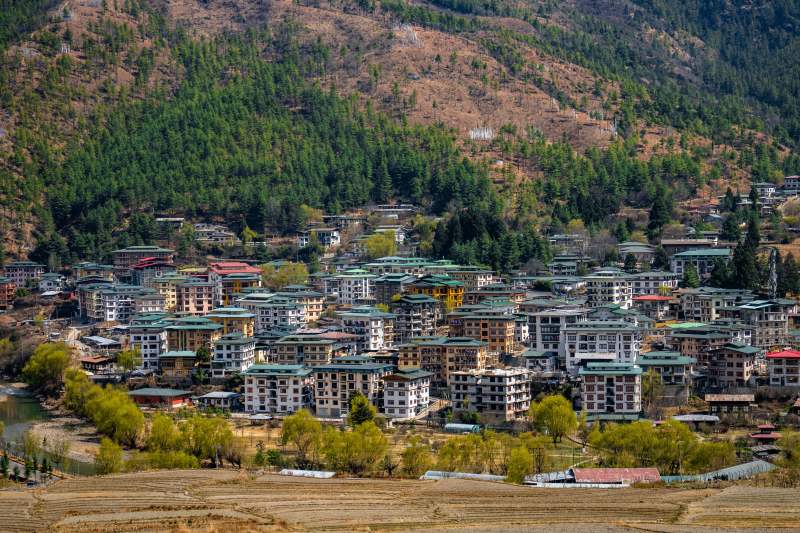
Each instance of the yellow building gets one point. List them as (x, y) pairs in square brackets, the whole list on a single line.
[(448, 291), (234, 319), (191, 333)]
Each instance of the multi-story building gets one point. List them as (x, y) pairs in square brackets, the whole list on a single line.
[(167, 286), (148, 333), (104, 302), (8, 292), (698, 342), (336, 383), (705, 304), (231, 278), (655, 282), (233, 354), (51, 281), (497, 331), (731, 365), (311, 300), (406, 393), (93, 270), (609, 286), (443, 355), (327, 237), (354, 286), (497, 395), (278, 389), (148, 302), (127, 257), (494, 291), (547, 328), (22, 272), (234, 319), (672, 367), (279, 312), (415, 316), (194, 297), (703, 260), (601, 341), (192, 333), (306, 349), (144, 271), (768, 319), (374, 329), (611, 391), (391, 285), (784, 368), (653, 306), (447, 290), (473, 277), (177, 365)]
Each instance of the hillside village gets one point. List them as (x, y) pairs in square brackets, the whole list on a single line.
[(641, 333)]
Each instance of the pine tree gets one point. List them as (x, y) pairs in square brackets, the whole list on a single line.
[(720, 275), (730, 229), (744, 268), (660, 213), (788, 276), (690, 277)]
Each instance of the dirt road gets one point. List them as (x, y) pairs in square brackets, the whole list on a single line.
[(203, 500)]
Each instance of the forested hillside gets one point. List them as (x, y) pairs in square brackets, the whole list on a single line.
[(244, 110)]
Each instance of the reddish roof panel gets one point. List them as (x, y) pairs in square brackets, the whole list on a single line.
[(615, 475), (784, 354), (651, 298)]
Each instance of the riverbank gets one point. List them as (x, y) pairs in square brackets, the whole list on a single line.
[(81, 438)]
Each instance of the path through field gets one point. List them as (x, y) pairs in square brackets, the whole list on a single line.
[(203, 500)]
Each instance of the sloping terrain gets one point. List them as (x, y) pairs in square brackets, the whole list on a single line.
[(226, 501)]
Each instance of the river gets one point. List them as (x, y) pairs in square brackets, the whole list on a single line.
[(19, 411)]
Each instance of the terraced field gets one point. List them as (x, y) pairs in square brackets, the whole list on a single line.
[(204, 500)]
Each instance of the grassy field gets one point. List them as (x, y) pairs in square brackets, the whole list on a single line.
[(226, 500)]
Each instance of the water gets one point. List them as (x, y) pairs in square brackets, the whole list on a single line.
[(19, 411)]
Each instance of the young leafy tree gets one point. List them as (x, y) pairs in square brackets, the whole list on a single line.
[(129, 359), (416, 458), (361, 410), (519, 465), (45, 369), (555, 415), (304, 432), (108, 459)]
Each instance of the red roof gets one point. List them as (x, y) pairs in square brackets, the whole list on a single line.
[(651, 298), (616, 475), (785, 354), (763, 427), (233, 267), (765, 436)]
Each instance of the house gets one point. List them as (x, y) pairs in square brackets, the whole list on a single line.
[(731, 365), (8, 292), (675, 246), (609, 286), (416, 315), (643, 253), (226, 400), (374, 329), (791, 185), (233, 353), (336, 383), (611, 341), (278, 389), (51, 281), (23, 272), (653, 306), (784, 368), (496, 395), (192, 333), (215, 234), (611, 391), (159, 397), (97, 363), (177, 365), (441, 356), (127, 257), (734, 404), (703, 260), (765, 434), (195, 297), (540, 362), (448, 291), (406, 393)]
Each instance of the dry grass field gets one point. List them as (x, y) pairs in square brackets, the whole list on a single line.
[(227, 500)]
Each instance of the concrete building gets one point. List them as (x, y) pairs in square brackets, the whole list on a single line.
[(328, 238), (51, 281), (8, 292), (784, 368), (127, 257), (374, 329), (336, 383), (306, 349), (731, 365), (148, 333), (705, 304), (166, 286), (447, 290), (415, 316), (312, 301), (22, 272), (278, 389), (232, 354), (768, 319), (177, 365), (609, 286), (406, 393), (148, 302), (234, 320), (441, 356), (391, 285), (653, 306), (656, 282), (611, 391), (195, 297), (192, 333), (547, 328), (279, 312), (144, 271), (672, 367), (231, 278), (496, 395), (605, 341), (354, 286), (703, 260)]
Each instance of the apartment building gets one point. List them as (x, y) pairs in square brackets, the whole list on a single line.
[(611, 391), (494, 291), (87, 269), (306, 349), (391, 285), (443, 355), (234, 319), (23, 272), (278, 389), (336, 383), (311, 300), (167, 286), (731, 365), (194, 297), (354, 286), (148, 302), (144, 271), (705, 304), (496, 395), (672, 367), (127, 257), (51, 281), (703, 260), (148, 333), (416, 315), (447, 290), (192, 333), (177, 365), (473, 277), (653, 306), (698, 342), (231, 278), (784, 368), (233, 353), (279, 312), (547, 328), (326, 237), (601, 341), (104, 302), (374, 329), (406, 393), (609, 286), (8, 292), (655, 283), (768, 319)]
